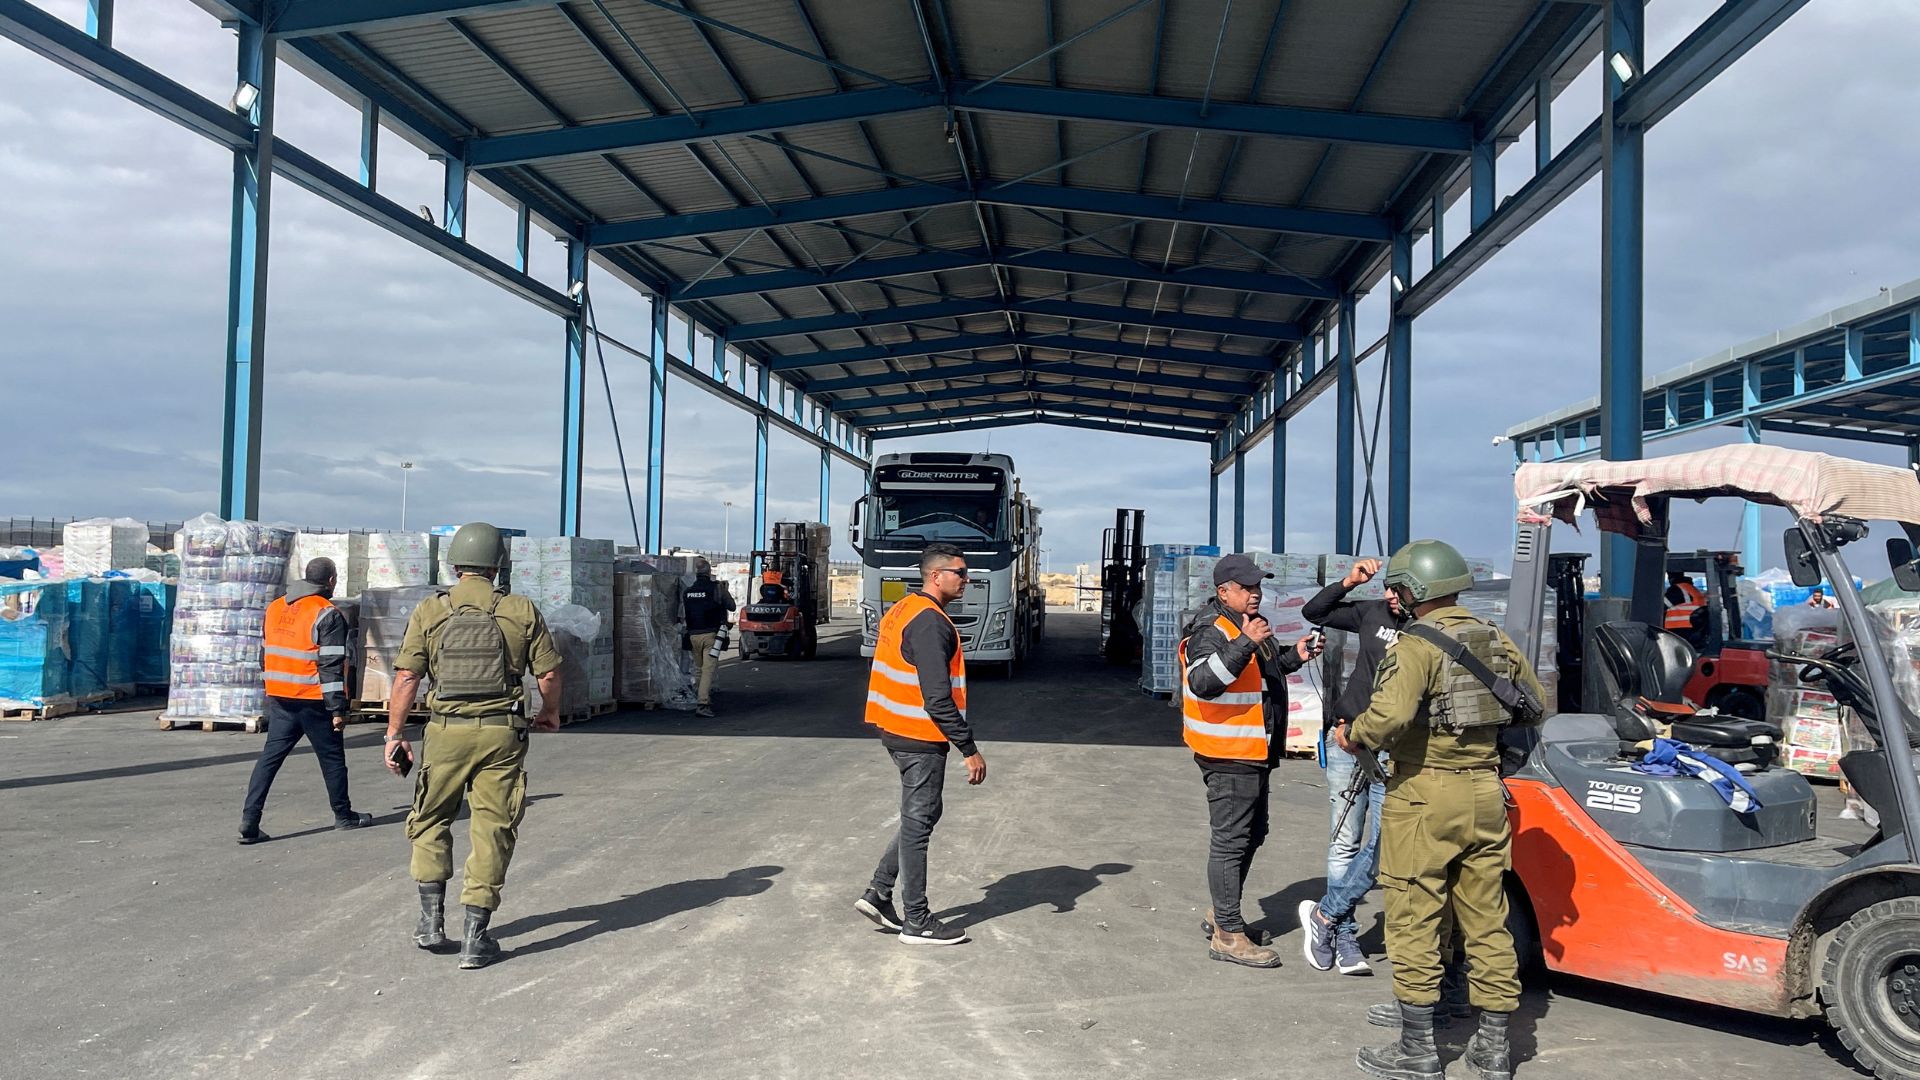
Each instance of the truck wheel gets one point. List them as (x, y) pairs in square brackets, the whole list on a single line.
[(1870, 985)]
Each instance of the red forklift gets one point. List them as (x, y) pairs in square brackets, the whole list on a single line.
[(782, 620), (1730, 674), (1661, 882)]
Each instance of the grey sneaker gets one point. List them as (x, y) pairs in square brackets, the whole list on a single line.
[(879, 910), (1349, 957), (1316, 939)]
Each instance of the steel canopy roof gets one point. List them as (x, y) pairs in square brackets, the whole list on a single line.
[(1122, 213)]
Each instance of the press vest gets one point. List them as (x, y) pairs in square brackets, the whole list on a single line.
[(1232, 726), (894, 702), (1680, 615), (292, 650)]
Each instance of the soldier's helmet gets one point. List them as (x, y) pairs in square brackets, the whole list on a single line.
[(476, 544), (1427, 570)]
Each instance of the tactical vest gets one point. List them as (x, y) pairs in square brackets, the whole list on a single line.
[(1464, 701), (468, 655)]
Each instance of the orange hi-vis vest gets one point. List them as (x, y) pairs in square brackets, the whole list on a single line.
[(1680, 616), (894, 702), (1232, 726), (293, 654)]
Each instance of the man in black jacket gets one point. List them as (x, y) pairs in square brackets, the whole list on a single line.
[(1231, 664), (1332, 936), (708, 603)]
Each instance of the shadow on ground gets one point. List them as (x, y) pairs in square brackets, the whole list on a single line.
[(635, 909)]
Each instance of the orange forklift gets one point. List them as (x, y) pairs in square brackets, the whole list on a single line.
[(783, 618), (1671, 883)]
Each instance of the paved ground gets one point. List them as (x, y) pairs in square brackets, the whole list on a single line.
[(679, 907)]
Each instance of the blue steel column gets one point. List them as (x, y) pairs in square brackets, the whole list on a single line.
[(1279, 438), (1239, 501), (760, 466), (1750, 518), (1213, 504), (826, 484), (1344, 399), (573, 401), (247, 287), (1399, 399), (1481, 173), (369, 145), (100, 22), (1622, 222), (657, 425), (453, 215)]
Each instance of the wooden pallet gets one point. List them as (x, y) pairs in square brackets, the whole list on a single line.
[(252, 725), (50, 711), (588, 712), (372, 712)]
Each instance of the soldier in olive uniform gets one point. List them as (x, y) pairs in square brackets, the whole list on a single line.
[(1444, 838), (474, 641)]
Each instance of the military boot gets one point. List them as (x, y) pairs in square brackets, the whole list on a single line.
[(1238, 948), (1487, 1054), (477, 948), (1414, 1057), (431, 933)]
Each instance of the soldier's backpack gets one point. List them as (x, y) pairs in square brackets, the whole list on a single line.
[(469, 655), (1476, 696)]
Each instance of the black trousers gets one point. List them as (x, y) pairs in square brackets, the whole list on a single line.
[(1237, 814), (287, 720), (922, 785)]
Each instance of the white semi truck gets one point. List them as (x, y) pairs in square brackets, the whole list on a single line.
[(974, 502)]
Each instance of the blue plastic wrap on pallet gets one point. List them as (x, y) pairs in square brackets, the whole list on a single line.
[(153, 608), (34, 666), (123, 633), (87, 634)]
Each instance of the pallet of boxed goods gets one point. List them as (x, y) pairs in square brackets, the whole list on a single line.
[(229, 572)]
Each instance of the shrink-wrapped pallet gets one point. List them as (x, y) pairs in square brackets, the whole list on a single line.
[(229, 572), (650, 665), (34, 667), (91, 548)]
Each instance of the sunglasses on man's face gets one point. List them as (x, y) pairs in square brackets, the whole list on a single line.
[(960, 572)]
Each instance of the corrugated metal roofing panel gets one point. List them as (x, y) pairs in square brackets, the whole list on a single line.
[(1444, 52), (545, 49), (880, 36), (1325, 50), (443, 63)]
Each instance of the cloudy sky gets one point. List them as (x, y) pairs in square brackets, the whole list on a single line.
[(1781, 191)]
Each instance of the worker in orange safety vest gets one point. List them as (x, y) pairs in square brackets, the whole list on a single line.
[(917, 698), (304, 665), (1233, 710)]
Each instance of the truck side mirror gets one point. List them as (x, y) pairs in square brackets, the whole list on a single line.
[(1906, 572), (853, 522), (1801, 566)]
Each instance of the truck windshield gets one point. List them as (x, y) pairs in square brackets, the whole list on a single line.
[(932, 516)]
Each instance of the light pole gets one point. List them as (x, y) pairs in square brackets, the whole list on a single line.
[(405, 468), (726, 526)]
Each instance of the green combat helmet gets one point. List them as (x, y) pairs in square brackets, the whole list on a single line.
[(1427, 570), (478, 544)]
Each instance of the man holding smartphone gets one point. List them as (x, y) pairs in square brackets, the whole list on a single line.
[(1234, 695)]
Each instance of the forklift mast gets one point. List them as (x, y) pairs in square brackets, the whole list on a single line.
[(1123, 563)]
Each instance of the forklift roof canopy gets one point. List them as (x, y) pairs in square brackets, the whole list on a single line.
[(1811, 485)]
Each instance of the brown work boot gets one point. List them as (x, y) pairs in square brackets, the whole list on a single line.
[(1258, 937), (1237, 948)]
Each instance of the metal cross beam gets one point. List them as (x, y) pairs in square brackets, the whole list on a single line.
[(1109, 426), (1227, 215), (1060, 262), (1226, 118), (1059, 309), (1002, 408), (1042, 367), (846, 405), (304, 18), (1060, 342)]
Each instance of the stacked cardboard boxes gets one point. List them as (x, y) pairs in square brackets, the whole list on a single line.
[(383, 616), (560, 572), (1813, 723), (229, 572), (399, 560), (348, 552), (91, 548)]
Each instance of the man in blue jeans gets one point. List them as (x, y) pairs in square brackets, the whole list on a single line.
[(1353, 847)]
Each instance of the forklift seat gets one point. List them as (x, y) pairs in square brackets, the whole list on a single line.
[(1646, 671)]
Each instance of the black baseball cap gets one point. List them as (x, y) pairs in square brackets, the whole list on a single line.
[(1238, 569)]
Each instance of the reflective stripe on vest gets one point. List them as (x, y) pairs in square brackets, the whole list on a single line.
[(894, 702), (1233, 725), (292, 656)]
